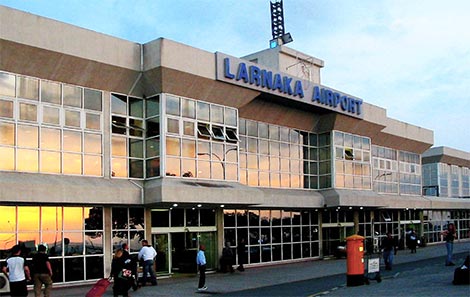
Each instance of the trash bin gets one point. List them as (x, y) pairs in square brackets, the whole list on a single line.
[(355, 260)]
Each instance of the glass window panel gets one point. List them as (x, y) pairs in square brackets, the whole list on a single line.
[(252, 128), (6, 108), (274, 148), (137, 127), (273, 132), (274, 163), (136, 148), (136, 168), (203, 110), (217, 170), (136, 107), (93, 245), (285, 180), (153, 147), (230, 116), (153, 167), (7, 84), (189, 148), (92, 99), (72, 118), (7, 158), (275, 180), (152, 106), (189, 168), (27, 136), (27, 87), (231, 154), (284, 134), (29, 240), (218, 153), (50, 139), (28, 218), (172, 105), (72, 96), (119, 167), (188, 108), (189, 128), (173, 167), (50, 115), (173, 126), (264, 179), (231, 172), (252, 144), (217, 114), (73, 244), (252, 161), (50, 92), (93, 121), (92, 143), (119, 146), (203, 169), (285, 165), (119, 125), (27, 160), (72, 141), (338, 138), (28, 112), (203, 149), (284, 150), (50, 162), (7, 133), (51, 219), (173, 146), (73, 218), (72, 163), (192, 217), (253, 179), (92, 165), (120, 218)]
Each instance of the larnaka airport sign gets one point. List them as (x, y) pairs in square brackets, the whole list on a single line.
[(250, 75)]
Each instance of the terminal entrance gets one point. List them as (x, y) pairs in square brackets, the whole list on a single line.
[(334, 239), (176, 251)]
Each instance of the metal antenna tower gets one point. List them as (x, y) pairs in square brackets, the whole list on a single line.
[(277, 25)]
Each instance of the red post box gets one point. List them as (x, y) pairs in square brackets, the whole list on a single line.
[(355, 260)]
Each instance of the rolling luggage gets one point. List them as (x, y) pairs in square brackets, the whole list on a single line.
[(99, 288)]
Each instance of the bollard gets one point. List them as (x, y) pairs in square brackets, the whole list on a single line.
[(355, 260)]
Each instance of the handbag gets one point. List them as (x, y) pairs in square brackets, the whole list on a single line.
[(125, 274)]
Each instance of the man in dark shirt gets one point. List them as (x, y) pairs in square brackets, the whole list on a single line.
[(42, 272)]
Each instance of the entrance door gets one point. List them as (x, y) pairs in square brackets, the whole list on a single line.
[(184, 248), (163, 252), (333, 238)]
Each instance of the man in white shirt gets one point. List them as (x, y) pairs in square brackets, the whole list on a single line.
[(147, 255), (201, 264), (18, 273)]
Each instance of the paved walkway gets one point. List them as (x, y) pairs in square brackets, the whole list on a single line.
[(256, 277)]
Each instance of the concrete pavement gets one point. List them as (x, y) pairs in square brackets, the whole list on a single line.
[(257, 277)]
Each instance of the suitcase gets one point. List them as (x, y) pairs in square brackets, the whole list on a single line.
[(461, 276), (99, 288)]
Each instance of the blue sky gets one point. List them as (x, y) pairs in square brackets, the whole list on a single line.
[(410, 57)]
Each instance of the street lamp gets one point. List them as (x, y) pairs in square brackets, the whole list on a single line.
[(221, 160)]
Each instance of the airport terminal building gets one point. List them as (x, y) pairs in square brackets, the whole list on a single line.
[(105, 141)]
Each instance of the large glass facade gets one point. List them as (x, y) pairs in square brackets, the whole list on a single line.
[(127, 140), (352, 161), (49, 127), (273, 235), (73, 237), (410, 173), (128, 226), (385, 169), (201, 139)]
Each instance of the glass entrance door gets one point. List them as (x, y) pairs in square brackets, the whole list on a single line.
[(163, 252), (184, 248)]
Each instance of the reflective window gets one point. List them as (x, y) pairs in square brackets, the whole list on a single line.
[(6, 108), (27, 87), (28, 112), (50, 92), (7, 84), (7, 134), (92, 99), (72, 96), (50, 115)]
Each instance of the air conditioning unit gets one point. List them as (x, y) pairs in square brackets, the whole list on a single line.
[(4, 283)]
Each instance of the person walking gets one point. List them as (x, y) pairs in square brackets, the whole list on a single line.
[(147, 254), (389, 248), (241, 254), (201, 264), (121, 273), (129, 260), (42, 272), (18, 272), (449, 236), (226, 261), (412, 241)]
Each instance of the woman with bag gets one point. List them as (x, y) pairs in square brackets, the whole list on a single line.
[(121, 272)]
